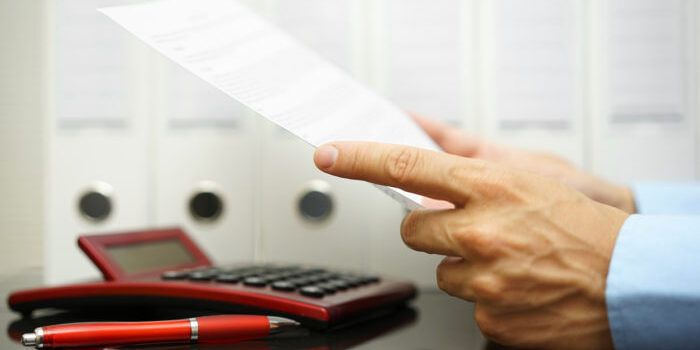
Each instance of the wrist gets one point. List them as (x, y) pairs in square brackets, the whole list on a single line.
[(621, 197), (626, 199)]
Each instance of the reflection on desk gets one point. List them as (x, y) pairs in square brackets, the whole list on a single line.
[(434, 321), (298, 338)]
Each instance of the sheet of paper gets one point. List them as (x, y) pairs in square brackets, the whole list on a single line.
[(246, 57)]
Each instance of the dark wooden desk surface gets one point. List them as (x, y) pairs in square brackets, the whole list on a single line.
[(434, 321)]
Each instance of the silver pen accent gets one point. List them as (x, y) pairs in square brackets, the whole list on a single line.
[(34, 339), (194, 330), (279, 324)]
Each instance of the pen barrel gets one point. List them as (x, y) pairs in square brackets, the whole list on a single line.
[(232, 328), (116, 333)]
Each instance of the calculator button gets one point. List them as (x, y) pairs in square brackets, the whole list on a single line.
[(271, 277), (289, 274), (315, 278), (228, 278), (202, 275), (255, 281), (284, 286), (309, 272), (370, 279), (339, 284), (290, 269), (241, 270), (351, 281), (174, 275), (312, 291), (327, 288), (300, 282), (329, 275)]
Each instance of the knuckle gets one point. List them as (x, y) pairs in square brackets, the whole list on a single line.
[(481, 239), (409, 228), (442, 280), (494, 182), (489, 288), (402, 164)]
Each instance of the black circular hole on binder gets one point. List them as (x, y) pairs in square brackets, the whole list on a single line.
[(315, 205), (95, 206), (206, 206)]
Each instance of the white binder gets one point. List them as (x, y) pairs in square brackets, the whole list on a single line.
[(644, 90), (287, 170), (22, 106), (97, 138), (532, 82), (421, 55), (205, 164)]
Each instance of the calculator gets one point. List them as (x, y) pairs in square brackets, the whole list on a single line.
[(165, 268)]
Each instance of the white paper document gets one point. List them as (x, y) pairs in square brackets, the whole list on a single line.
[(249, 59)]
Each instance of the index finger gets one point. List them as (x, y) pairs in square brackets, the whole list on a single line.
[(450, 139), (429, 173)]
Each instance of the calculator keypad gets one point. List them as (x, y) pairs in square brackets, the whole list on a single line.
[(311, 282)]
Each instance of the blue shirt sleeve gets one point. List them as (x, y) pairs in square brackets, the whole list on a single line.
[(673, 198), (653, 285)]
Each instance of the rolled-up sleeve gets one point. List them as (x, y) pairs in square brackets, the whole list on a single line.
[(653, 285)]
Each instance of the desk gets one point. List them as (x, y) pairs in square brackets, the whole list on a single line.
[(434, 321)]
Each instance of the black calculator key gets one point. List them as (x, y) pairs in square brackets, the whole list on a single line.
[(312, 291), (174, 275), (310, 272), (326, 276), (255, 281), (228, 278), (327, 288), (271, 277), (202, 275), (289, 274), (284, 286), (290, 269), (370, 279), (315, 278), (339, 284), (351, 281), (300, 282)]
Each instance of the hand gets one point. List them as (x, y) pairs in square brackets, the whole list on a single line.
[(460, 143), (531, 252)]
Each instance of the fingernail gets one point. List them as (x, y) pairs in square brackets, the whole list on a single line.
[(326, 156)]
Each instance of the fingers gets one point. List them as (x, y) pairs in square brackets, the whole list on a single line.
[(450, 139), (470, 280), (436, 203), (433, 174), (434, 231), (453, 277)]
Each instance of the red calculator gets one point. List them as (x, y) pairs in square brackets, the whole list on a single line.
[(165, 268)]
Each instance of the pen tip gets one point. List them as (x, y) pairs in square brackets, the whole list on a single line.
[(28, 339), (280, 322)]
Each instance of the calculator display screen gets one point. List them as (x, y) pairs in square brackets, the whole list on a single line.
[(135, 258)]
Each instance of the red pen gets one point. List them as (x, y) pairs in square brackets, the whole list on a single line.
[(207, 329)]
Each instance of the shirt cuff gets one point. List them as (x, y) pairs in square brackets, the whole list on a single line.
[(653, 284), (667, 198)]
